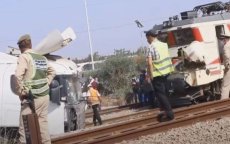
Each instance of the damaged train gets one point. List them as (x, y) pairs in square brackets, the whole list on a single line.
[(196, 52)]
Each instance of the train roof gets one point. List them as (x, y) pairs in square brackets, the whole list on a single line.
[(212, 18), (212, 12)]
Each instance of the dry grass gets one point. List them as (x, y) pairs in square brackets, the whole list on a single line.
[(9, 136), (109, 101)]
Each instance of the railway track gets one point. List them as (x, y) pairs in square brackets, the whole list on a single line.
[(114, 109), (138, 114), (146, 125)]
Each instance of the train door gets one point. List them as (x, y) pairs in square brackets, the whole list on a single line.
[(220, 30)]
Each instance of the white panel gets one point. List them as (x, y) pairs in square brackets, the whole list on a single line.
[(55, 41), (56, 118), (2, 70), (10, 101), (52, 42)]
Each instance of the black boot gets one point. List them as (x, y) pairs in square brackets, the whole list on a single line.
[(163, 117)]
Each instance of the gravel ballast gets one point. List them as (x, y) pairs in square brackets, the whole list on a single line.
[(112, 115), (210, 132)]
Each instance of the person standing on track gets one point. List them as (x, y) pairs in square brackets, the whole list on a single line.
[(159, 67), (94, 100)]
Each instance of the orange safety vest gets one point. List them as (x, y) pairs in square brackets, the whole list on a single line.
[(93, 96)]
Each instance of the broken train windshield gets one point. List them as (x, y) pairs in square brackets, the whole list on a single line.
[(177, 38)]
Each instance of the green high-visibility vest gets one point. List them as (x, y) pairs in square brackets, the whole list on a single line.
[(163, 65), (38, 83)]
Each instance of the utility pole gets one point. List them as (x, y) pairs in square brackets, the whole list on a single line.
[(89, 35), (140, 26)]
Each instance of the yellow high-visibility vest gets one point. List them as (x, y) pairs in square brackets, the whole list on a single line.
[(163, 65), (38, 83), (94, 97)]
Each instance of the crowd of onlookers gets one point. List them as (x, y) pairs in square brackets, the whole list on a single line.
[(143, 92), (142, 89)]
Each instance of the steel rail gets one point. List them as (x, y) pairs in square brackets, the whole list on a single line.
[(103, 133), (154, 127), (114, 109), (142, 113)]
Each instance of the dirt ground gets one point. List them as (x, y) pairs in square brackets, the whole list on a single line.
[(108, 101)]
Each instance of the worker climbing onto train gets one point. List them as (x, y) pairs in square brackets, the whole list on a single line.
[(33, 73), (94, 100), (226, 59), (159, 67)]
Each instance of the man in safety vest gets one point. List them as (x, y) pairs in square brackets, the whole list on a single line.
[(159, 67), (94, 99), (35, 74)]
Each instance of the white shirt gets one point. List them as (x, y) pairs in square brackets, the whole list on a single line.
[(152, 52)]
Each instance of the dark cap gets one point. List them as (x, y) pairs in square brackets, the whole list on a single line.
[(23, 37), (151, 32)]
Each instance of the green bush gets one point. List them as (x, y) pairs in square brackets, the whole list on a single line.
[(116, 72)]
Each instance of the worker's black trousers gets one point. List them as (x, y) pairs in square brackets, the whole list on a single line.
[(96, 115), (160, 87)]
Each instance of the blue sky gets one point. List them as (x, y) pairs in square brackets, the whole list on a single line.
[(111, 22)]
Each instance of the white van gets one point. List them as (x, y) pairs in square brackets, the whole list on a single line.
[(66, 110)]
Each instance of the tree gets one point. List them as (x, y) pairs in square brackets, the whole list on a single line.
[(141, 51), (96, 57), (116, 74)]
